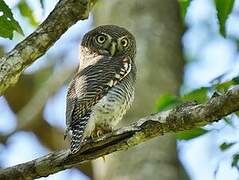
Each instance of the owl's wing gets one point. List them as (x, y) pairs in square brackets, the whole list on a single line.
[(91, 84)]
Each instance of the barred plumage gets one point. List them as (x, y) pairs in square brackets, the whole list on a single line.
[(78, 128), (103, 88)]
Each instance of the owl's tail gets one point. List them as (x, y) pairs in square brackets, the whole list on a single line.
[(77, 134)]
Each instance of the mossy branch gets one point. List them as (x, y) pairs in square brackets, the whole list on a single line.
[(183, 117)]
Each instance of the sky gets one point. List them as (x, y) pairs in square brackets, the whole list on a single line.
[(209, 56)]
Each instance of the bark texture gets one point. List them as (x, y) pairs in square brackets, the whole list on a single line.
[(157, 27), (183, 117)]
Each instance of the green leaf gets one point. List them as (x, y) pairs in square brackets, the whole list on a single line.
[(235, 160), (5, 28), (228, 121), (199, 95), (237, 114), (224, 146), (7, 22), (224, 86), (224, 8), (27, 12), (190, 134), (166, 101), (183, 4), (236, 80), (42, 2)]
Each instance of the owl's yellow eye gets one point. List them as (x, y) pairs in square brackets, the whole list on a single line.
[(124, 42), (101, 39)]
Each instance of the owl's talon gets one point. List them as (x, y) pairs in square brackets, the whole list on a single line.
[(99, 132)]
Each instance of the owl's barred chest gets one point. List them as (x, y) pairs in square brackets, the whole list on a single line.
[(111, 108)]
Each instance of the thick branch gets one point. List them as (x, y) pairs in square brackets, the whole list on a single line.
[(183, 117), (65, 14)]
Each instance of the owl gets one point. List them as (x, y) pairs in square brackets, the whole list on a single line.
[(103, 88)]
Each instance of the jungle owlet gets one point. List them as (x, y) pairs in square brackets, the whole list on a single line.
[(103, 88)]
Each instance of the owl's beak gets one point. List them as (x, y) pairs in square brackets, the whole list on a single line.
[(113, 48)]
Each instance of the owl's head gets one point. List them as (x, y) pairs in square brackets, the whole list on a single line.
[(109, 40)]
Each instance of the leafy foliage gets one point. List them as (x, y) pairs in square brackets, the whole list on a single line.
[(42, 2), (7, 22), (224, 146), (190, 134), (224, 8), (199, 95), (228, 121), (235, 160), (183, 7), (223, 86), (27, 12), (166, 101)]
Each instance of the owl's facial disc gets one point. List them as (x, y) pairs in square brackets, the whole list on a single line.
[(109, 49), (103, 41), (111, 45), (113, 48)]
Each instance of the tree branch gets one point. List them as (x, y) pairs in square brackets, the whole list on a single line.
[(65, 14), (183, 117)]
